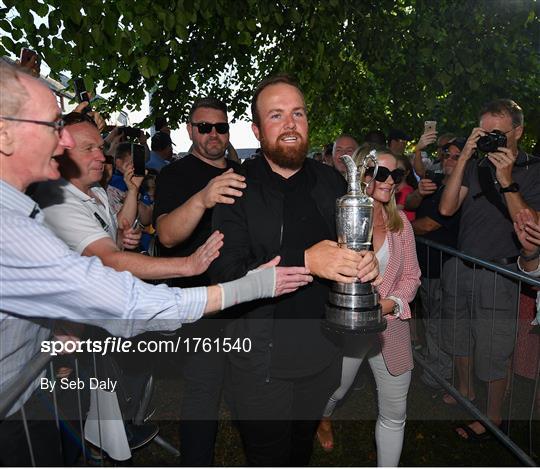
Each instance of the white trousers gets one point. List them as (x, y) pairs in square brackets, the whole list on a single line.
[(392, 399)]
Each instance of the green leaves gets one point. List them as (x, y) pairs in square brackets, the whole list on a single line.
[(124, 75), (360, 67)]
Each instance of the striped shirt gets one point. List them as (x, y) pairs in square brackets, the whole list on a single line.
[(41, 280)]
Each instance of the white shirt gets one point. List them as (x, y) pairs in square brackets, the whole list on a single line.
[(74, 216), (41, 279)]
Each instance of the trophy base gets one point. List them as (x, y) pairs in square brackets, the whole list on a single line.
[(354, 321)]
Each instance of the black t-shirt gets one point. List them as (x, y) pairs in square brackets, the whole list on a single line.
[(176, 183), (447, 234)]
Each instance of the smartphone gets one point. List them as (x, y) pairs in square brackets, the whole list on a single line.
[(435, 176), (80, 90), (30, 59), (27, 55), (139, 159), (430, 126), (131, 132)]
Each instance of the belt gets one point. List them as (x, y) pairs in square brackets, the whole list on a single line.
[(501, 261)]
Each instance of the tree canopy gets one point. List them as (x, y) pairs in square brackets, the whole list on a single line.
[(362, 64)]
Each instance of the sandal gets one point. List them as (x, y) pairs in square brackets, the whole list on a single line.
[(325, 435), (472, 436)]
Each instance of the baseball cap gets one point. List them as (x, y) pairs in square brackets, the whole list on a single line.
[(457, 142)]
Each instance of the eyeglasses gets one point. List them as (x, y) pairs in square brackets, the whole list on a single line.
[(206, 127), (383, 173), (57, 125)]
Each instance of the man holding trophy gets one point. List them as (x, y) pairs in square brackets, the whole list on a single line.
[(278, 389)]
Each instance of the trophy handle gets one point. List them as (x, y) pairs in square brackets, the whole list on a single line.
[(355, 180), (370, 157)]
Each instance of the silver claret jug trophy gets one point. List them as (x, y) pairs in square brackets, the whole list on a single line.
[(354, 307)]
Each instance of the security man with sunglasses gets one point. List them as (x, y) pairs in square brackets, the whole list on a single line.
[(187, 190)]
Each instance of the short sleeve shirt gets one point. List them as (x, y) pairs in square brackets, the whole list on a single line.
[(485, 232), (177, 183), (75, 217)]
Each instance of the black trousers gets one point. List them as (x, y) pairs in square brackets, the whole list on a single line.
[(278, 418), (203, 381), (44, 435)]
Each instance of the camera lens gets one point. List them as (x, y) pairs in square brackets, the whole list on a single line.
[(490, 142)]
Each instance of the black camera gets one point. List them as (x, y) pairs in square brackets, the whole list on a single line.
[(490, 142), (435, 176)]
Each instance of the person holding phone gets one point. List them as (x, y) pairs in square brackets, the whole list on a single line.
[(431, 225), (129, 201)]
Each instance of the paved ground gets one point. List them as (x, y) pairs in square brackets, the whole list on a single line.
[(430, 439)]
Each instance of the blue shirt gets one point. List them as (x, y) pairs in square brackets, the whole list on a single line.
[(156, 162), (41, 280)]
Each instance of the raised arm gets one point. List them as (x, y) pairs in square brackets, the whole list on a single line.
[(177, 225), (155, 268), (454, 192)]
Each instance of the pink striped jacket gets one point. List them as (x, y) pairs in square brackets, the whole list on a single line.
[(401, 279)]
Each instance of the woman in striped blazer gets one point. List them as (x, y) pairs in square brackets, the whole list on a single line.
[(390, 356)]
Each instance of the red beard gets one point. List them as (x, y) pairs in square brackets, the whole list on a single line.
[(287, 157)]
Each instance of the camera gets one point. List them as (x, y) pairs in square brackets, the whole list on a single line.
[(435, 176), (490, 142)]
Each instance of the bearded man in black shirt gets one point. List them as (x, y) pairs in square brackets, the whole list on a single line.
[(279, 387)]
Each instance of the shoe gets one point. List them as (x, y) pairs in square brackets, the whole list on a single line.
[(139, 435), (472, 436), (325, 435)]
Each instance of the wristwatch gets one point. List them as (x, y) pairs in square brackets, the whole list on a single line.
[(530, 257), (514, 187)]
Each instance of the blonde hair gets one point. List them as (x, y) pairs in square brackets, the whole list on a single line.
[(394, 223)]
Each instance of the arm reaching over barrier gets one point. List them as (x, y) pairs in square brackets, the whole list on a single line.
[(267, 281)]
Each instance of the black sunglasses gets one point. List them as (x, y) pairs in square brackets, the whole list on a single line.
[(383, 173), (206, 128)]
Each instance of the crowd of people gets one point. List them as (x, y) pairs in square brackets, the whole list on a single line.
[(79, 222)]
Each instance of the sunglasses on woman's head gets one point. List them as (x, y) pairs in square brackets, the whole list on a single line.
[(206, 128), (383, 173)]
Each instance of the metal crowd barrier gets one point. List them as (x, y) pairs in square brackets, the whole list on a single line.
[(520, 278), (32, 371)]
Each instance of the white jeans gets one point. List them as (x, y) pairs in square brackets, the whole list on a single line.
[(392, 397)]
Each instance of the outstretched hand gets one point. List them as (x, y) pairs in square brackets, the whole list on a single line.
[(288, 279), (201, 259)]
